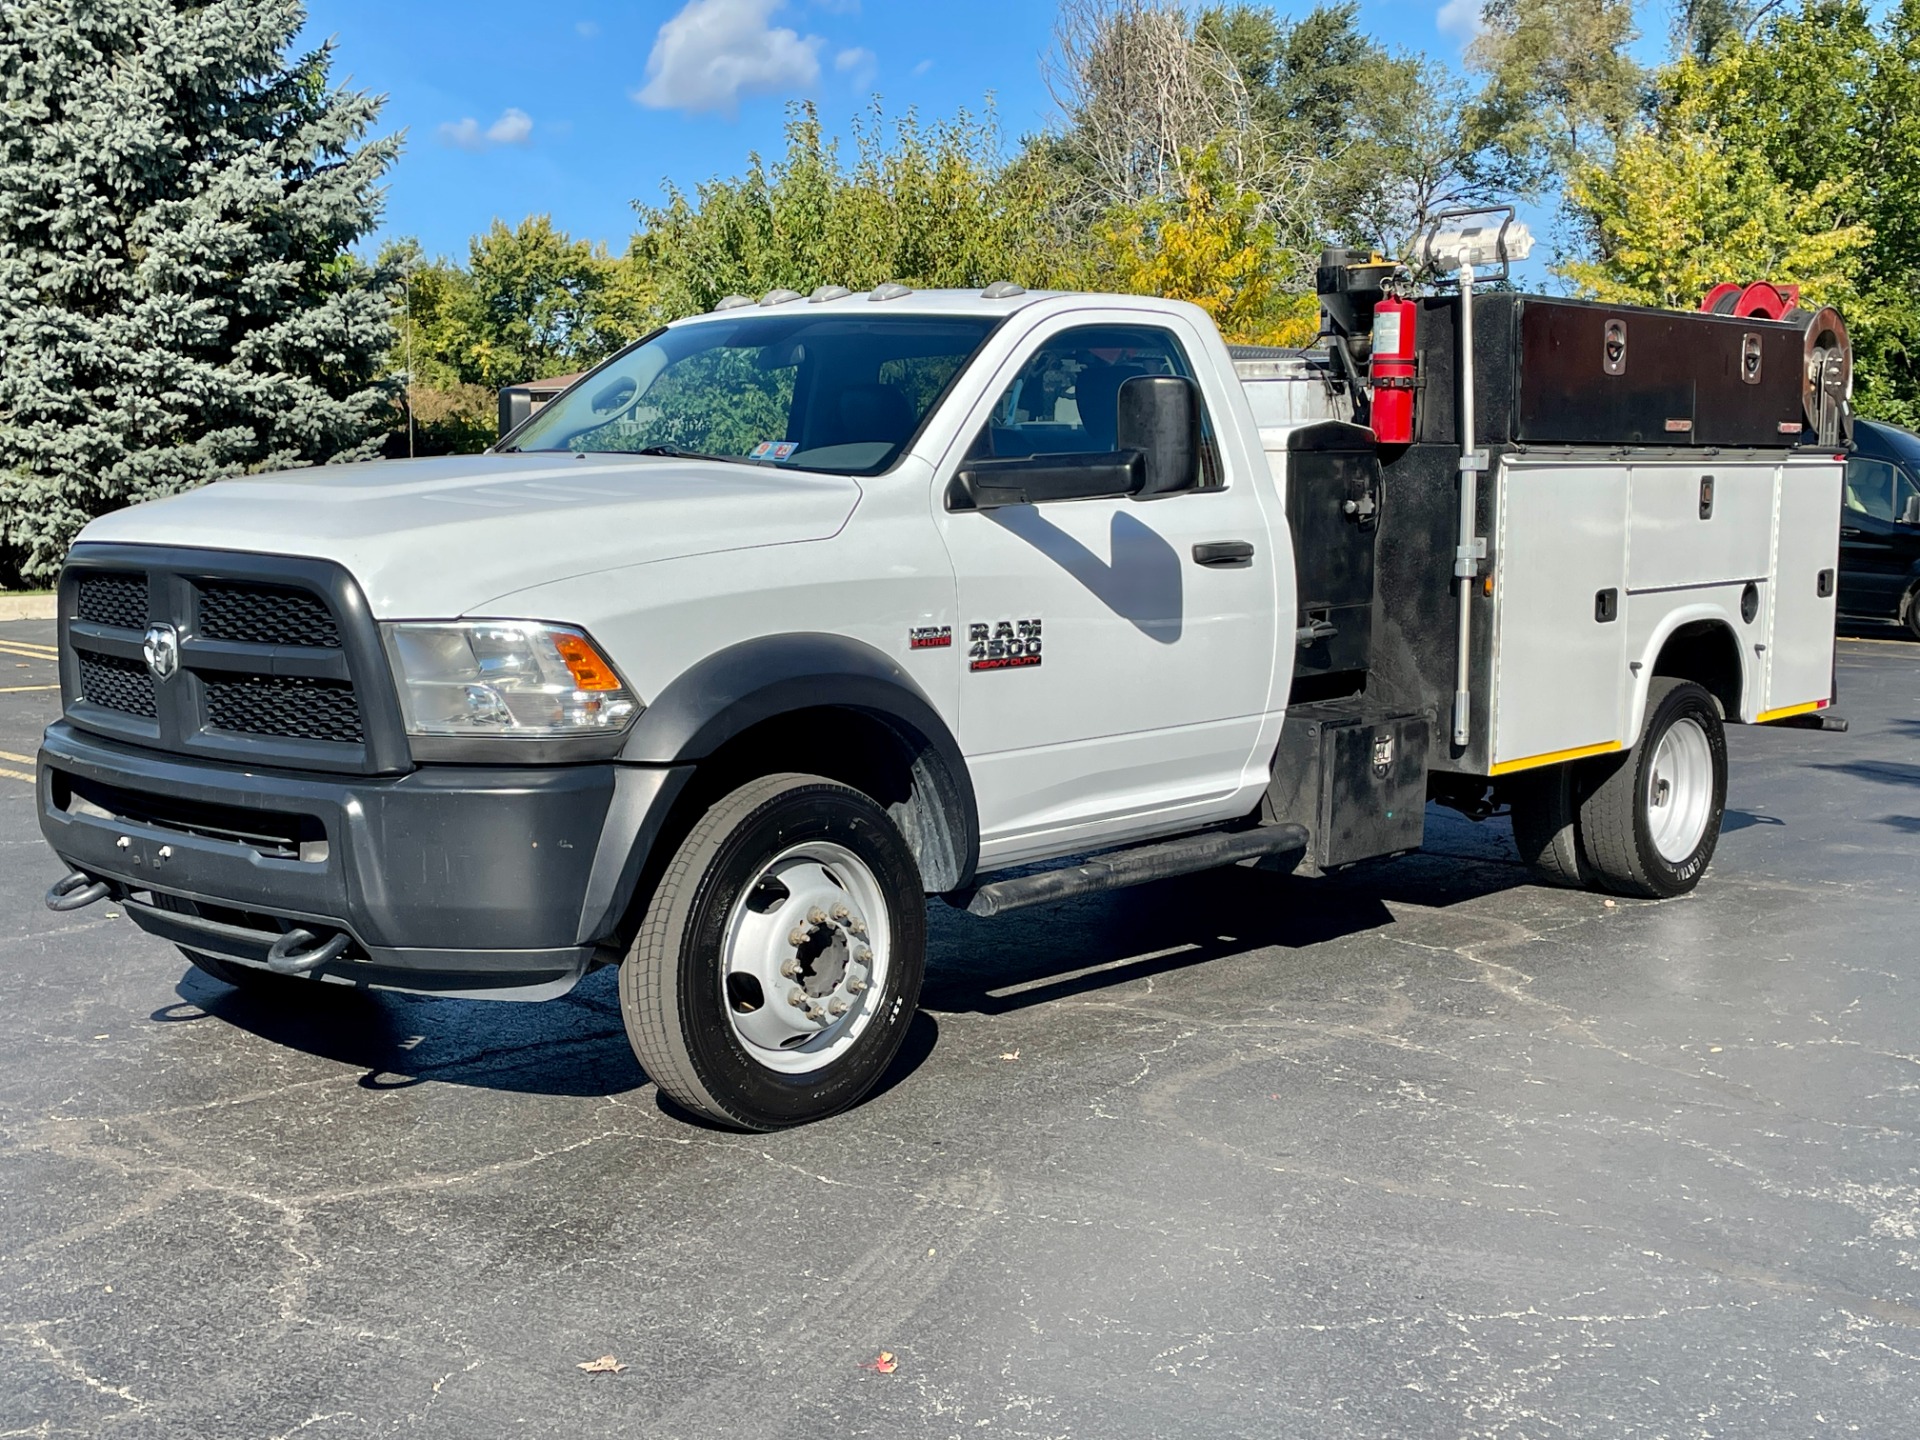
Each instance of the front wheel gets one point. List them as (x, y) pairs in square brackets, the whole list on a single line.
[(1910, 613), (779, 963), (1650, 819)]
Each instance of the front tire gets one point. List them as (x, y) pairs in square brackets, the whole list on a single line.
[(779, 963), (1910, 613), (1650, 819)]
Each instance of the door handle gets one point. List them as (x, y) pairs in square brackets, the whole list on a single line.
[(1849, 532), (1224, 554)]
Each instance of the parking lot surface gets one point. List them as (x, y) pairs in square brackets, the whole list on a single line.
[(1419, 1150)]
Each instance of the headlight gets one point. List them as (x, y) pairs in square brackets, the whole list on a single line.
[(505, 677)]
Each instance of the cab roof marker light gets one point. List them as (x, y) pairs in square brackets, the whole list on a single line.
[(1002, 290), (828, 292), (779, 297), (892, 290), (733, 302)]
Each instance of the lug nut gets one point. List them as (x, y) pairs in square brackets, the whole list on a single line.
[(796, 937), (814, 1012), (791, 969), (863, 956), (841, 913), (816, 916), (797, 998), (854, 987), (836, 1006)]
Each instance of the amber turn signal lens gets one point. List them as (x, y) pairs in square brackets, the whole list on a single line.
[(588, 667)]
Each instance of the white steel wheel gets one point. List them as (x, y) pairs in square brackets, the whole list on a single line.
[(778, 965), (1650, 818), (806, 956), (1680, 790)]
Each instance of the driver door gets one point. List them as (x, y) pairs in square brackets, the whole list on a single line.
[(1116, 655)]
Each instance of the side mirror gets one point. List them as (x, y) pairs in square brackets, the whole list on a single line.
[(1911, 515), (1159, 417), (1040, 479)]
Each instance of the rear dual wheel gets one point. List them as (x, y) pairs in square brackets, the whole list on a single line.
[(1644, 823), (779, 963)]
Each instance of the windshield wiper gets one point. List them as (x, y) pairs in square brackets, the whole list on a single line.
[(674, 452)]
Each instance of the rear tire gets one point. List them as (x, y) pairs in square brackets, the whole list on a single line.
[(1546, 816), (1910, 613), (1650, 818), (778, 967)]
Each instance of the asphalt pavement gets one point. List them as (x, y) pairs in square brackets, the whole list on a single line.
[(1422, 1150)]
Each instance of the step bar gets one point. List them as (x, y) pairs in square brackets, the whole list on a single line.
[(1118, 869)]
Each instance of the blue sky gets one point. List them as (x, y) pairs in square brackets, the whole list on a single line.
[(575, 108)]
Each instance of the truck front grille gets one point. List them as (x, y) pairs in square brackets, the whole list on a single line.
[(116, 684), (288, 706), (278, 661), (266, 615), (114, 598)]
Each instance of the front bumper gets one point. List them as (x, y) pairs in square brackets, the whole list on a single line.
[(452, 880)]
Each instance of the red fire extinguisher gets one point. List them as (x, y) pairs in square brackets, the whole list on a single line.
[(1392, 371)]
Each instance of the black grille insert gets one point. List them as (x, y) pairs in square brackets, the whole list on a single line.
[(275, 835), (116, 684), (114, 598), (266, 615), (289, 706)]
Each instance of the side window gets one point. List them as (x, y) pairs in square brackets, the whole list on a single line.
[(1870, 488), (1066, 398)]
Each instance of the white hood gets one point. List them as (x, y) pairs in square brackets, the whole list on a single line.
[(434, 538)]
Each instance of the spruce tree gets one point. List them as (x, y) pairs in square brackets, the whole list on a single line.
[(178, 303)]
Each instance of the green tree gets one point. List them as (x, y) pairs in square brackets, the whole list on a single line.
[(922, 204), (1800, 141), (1559, 87), (178, 195)]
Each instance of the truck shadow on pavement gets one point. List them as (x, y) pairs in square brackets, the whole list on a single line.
[(577, 1046)]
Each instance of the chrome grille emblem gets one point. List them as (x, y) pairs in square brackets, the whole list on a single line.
[(162, 651)]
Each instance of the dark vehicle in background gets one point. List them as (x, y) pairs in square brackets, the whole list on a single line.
[(1880, 526)]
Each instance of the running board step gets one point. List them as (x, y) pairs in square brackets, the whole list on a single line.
[(1121, 868)]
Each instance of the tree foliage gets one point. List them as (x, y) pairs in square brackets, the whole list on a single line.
[(1790, 153), (922, 204), (178, 301)]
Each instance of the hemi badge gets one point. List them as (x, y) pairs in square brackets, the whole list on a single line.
[(930, 637)]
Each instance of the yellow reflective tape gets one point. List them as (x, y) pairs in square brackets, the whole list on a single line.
[(1555, 757), (17, 775), (1807, 709)]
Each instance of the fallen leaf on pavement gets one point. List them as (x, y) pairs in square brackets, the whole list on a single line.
[(1010, 1055), (605, 1365), (883, 1362)]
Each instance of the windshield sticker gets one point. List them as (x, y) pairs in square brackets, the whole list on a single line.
[(773, 450)]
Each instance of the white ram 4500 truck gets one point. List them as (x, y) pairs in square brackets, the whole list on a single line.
[(795, 614)]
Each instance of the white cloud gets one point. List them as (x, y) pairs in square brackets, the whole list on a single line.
[(514, 127), (923, 67), (858, 64), (715, 51), (1460, 19)]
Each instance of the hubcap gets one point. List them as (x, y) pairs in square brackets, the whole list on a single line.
[(1680, 790), (806, 957)]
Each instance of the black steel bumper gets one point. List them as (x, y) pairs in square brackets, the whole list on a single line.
[(452, 880)]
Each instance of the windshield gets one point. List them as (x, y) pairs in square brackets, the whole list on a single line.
[(826, 392)]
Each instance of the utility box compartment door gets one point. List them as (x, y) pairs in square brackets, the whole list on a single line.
[(1806, 558), (1560, 637), (1699, 524)]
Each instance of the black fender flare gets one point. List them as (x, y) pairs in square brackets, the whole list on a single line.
[(732, 690)]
